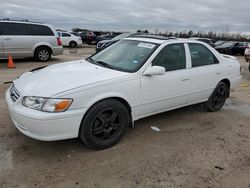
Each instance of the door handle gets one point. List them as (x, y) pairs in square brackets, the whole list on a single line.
[(218, 73), (185, 79), (7, 38)]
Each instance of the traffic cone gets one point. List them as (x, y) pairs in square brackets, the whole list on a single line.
[(10, 62)]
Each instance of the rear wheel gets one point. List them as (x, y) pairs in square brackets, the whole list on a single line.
[(72, 44), (218, 98), (42, 54), (104, 124)]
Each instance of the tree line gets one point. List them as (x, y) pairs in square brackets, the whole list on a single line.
[(212, 35), (225, 36)]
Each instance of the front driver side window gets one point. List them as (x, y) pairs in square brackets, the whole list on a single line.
[(172, 57), (201, 55)]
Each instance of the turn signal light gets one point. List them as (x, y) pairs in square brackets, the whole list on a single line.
[(61, 106)]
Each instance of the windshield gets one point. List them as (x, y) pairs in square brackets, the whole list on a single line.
[(219, 43), (121, 36), (228, 44), (125, 55)]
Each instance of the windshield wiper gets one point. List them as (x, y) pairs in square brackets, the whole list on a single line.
[(90, 59), (104, 64)]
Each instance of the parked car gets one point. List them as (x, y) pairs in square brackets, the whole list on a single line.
[(232, 48), (99, 97), (70, 40), (89, 37), (219, 43), (105, 43), (105, 37), (22, 39), (247, 55), (206, 40)]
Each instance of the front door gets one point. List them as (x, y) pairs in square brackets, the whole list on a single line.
[(17, 40), (164, 92)]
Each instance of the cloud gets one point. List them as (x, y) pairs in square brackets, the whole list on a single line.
[(216, 15)]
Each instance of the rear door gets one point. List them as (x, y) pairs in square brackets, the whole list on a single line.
[(1, 42), (206, 72), (17, 39)]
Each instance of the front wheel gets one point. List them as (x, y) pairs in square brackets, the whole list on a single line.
[(104, 124), (218, 98)]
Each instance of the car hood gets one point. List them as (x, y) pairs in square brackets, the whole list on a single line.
[(62, 77), (107, 41)]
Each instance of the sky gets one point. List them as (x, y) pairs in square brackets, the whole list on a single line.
[(130, 15)]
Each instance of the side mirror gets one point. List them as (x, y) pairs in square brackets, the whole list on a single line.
[(154, 70)]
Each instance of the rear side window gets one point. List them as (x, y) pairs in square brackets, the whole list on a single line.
[(66, 35), (41, 30), (172, 57), (201, 55), (15, 29)]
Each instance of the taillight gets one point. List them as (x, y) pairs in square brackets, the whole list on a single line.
[(59, 43)]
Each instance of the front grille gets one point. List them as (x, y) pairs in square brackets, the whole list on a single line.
[(14, 94)]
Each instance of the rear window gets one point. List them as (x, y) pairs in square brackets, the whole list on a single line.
[(41, 30), (66, 35), (15, 29)]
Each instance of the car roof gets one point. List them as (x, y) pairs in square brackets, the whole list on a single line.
[(149, 38), (161, 39), (23, 22)]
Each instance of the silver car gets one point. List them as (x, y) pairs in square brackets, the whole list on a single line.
[(22, 39)]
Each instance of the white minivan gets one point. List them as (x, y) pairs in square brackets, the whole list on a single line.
[(22, 39)]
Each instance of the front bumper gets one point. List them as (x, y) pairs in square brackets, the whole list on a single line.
[(42, 125)]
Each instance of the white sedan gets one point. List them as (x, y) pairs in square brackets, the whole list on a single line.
[(69, 39), (98, 98)]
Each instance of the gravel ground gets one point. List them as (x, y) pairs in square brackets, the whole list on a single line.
[(194, 148)]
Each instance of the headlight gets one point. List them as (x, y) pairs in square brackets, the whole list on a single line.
[(47, 104)]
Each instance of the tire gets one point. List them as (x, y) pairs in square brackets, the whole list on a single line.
[(218, 98), (104, 124), (72, 44), (42, 54)]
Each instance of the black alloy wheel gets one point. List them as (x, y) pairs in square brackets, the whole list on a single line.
[(218, 98), (104, 124)]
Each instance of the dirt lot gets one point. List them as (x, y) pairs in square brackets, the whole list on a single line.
[(194, 148)]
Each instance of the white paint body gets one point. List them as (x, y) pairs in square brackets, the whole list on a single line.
[(87, 84), (71, 38)]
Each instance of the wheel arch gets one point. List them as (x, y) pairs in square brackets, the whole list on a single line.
[(118, 98), (73, 41), (227, 82), (43, 46)]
